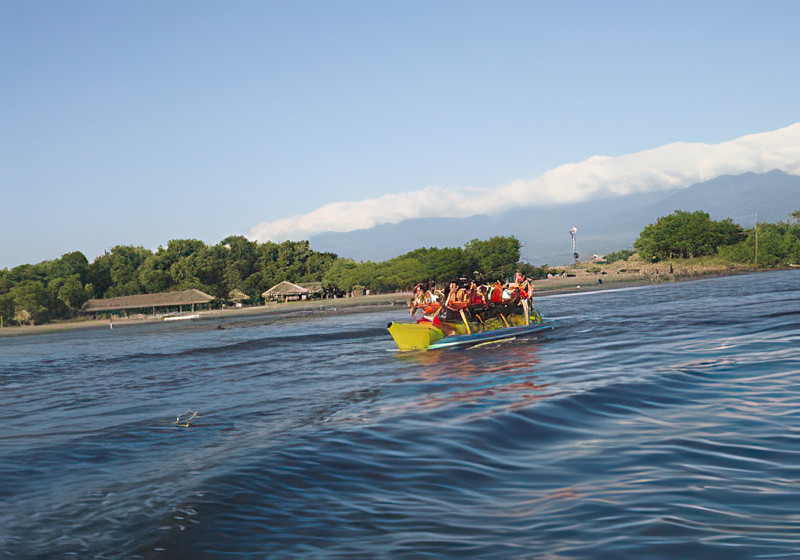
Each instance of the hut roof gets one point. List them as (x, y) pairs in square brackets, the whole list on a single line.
[(286, 289), (163, 299), (312, 286)]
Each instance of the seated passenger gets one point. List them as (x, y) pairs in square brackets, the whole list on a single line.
[(474, 297), (482, 295), (496, 293), (451, 293)]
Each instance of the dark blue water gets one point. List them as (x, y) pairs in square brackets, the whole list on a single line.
[(658, 422)]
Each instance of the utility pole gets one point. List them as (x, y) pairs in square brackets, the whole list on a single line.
[(573, 230)]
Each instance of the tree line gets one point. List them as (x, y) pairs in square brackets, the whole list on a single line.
[(57, 289), (682, 235)]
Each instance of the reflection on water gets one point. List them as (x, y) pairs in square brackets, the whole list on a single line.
[(487, 376), (659, 422)]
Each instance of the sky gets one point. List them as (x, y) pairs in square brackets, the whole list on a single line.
[(140, 122)]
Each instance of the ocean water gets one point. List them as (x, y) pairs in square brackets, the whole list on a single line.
[(654, 422)]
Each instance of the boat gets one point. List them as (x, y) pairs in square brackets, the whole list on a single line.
[(182, 317), (428, 336), (424, 336), (468, 315)]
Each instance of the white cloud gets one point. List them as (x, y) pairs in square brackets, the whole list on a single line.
[(671, 166)]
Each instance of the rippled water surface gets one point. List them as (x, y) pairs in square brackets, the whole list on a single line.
[(657, 422)]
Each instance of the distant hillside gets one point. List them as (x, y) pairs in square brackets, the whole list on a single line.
[(604, 225), (772, 195)]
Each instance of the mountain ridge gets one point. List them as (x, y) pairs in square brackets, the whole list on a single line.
[(605, 224)]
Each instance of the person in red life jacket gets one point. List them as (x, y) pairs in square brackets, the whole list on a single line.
[(496, 293), (431, 314), (526, 288), (474, 296)]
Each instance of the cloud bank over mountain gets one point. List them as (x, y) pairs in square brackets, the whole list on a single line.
[(672, 166)]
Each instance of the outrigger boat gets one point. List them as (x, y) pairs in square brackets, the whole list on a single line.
[(484, 324)]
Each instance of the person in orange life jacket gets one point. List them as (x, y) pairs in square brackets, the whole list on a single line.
[(526, 289)]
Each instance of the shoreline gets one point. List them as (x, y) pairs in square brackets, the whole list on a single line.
[(375, 302), (379, 302)]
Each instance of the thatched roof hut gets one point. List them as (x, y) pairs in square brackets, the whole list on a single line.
[(183, 298), (286, 291)]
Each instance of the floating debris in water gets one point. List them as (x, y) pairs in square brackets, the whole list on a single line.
[(185, 419)]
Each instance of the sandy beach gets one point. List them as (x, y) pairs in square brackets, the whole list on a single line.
[(298, 308)]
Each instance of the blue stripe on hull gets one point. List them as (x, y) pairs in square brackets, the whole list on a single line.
[(487, 336)]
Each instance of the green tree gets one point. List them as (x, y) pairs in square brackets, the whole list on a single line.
[(342, 274), (401, 273), (532, 272), (31, 302), (622, 255), (778, 244), (115, 273), (72, 294), (685, 235), (445, 264), (209, 268), (494, 259), (152, 276), (7, 310), (74, 263), (125, 261), (25, 273)]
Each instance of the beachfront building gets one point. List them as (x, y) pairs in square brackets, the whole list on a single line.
[(286, 291), (143, 303)]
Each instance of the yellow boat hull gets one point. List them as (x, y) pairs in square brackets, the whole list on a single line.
[(414, 336)]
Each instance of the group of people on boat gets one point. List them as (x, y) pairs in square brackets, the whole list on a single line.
[(470, 302)]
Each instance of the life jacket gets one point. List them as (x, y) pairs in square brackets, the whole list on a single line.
[(496, 293), (431, 308)]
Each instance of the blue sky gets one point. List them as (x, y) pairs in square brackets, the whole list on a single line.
[(139, 122)]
